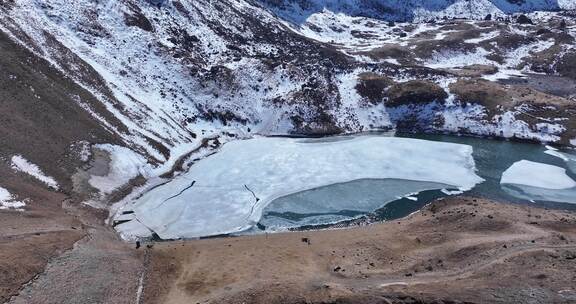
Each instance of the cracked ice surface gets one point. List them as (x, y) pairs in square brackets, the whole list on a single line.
[(226, 192)]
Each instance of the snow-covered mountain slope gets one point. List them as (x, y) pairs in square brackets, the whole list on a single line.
[(157, 81), (298, 11)]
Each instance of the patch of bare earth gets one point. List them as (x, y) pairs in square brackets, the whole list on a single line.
[(458, 250), (99, 269), (59, 251), (30, 239)]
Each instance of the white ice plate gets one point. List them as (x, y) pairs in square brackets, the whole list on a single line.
[(226, 192), (539, 182)]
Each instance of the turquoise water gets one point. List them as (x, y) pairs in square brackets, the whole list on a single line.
[(383, 199), (493, 157)]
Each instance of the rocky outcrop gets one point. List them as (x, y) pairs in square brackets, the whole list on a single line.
[(373, 87), (486, 93), (415, 92), (566, 66)]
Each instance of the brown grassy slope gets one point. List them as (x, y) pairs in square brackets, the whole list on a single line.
[(458, 250), (41, 116)]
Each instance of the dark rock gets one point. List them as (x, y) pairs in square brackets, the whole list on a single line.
[(373, 86), (157, 3), (523, 19), (139, 20), (566, 66)]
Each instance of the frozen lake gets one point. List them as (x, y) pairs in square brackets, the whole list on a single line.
[(280, 183), (492, 159)]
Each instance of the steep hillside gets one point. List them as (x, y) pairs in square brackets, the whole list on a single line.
[(162, 77), (104, 100)]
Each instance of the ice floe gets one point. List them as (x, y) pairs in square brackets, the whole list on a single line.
[(226, 192), (570, 159), (536, 174), (21, 164), (539, 182)]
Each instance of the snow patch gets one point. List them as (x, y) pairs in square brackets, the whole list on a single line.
[(392, 61), (452, 192), (125, 165), (447, 60), (483, 37), (20, 164), (472, 117), (7, 201)]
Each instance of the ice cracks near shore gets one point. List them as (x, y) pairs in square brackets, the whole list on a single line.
[(226, 192)]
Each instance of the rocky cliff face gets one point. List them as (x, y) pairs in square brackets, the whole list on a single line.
[(160, 77)]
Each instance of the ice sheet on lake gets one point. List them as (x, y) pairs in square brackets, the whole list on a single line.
[(339, 202), (226, 192), (539, 182)]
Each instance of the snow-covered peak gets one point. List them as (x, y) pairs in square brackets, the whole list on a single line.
[(298, 11)]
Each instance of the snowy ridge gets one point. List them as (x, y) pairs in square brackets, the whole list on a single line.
[(412, 10), (167, 79)]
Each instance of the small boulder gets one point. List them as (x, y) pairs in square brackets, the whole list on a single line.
[(523, 19)]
